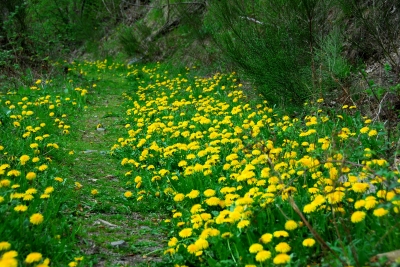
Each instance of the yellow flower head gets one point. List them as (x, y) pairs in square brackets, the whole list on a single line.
[(266, 238), (4, 245), (263, 255), (213, 201), (192, 248), (209, 192), (193, 194), (30, 175), (185, 232), (281, 259), (179, 197), (201, 243), (380, 212), (23, 159), (94, 192), (36, 218), (360, 187), (281, 233), (283, 247), (308, 242), (290, 225), (33, 257), (256, 247), (21, 208), (173, 242), (128, 194), (243, 224), (357, 216)]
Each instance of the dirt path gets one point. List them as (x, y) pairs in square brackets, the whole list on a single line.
[(115, 231)]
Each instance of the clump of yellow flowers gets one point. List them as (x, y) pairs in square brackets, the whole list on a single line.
[(34, 127), (250, 184)]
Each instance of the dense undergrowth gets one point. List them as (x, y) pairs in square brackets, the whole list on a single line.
[(245, 183)]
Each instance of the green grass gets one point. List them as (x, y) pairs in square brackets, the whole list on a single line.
[(188, 171), (82, 157)]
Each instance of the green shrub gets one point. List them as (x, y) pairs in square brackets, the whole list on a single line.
[(128, 41), (273, 43)]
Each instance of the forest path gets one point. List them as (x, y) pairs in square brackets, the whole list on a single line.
[(115, 231)]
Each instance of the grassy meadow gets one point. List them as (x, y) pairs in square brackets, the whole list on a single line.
[(243, 183)]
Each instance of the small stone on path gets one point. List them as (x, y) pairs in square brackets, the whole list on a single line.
[(89, 151), (118, 243), (99, 221)]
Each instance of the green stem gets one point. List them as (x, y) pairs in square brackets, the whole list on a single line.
[(230, 250)]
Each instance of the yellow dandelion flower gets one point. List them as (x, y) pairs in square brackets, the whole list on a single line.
[(42, 167), (30, 176), (14, 173), (138, 179), (308, 242), (380, 212), (177, 215), (364, 129), (201, 243), (281, 259), (283, 247), (227, 235), (23, 159), (256, 247), (335, 197), (309, 208), (4, 245), (185, 232), (94, 192), (28, 197), (372, 133), (266, 238), (21, 208), (36, 218), (263, 255), (193, 194), (49, 190), (33, 257), (370, 202), (213, 201), (196, 208), (290, 225), (179, 197), (359, 204), (173, 242), (209, 192), (9, 255), (390, 195), (5, 183), (192, 248), (243, 223), (128, 194), (358, 216), (281, 233), (360, 187)]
